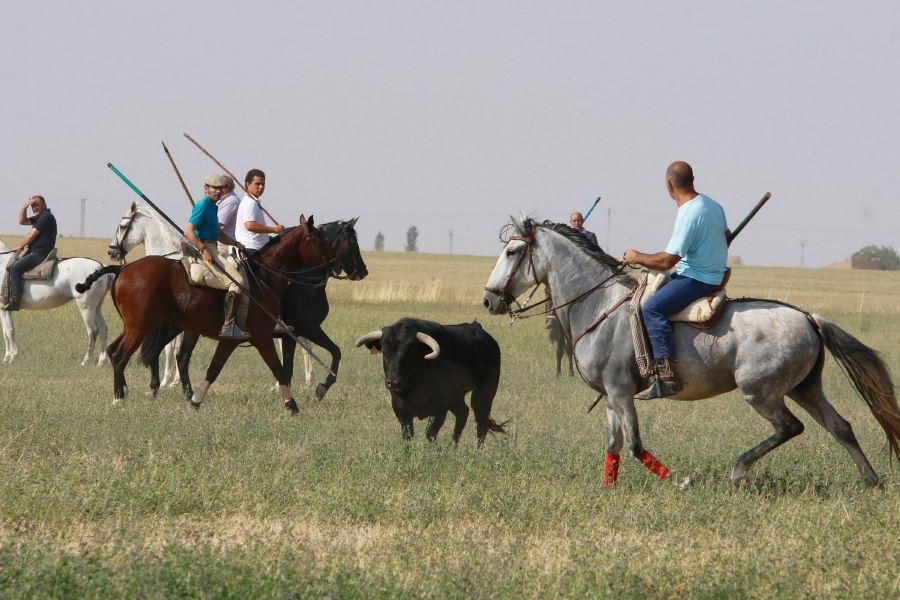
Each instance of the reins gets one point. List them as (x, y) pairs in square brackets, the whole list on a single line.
[(519, 313)]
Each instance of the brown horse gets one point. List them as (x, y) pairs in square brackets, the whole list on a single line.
[(156, 290)]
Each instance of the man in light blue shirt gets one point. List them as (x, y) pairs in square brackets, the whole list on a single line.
[(698, 250)]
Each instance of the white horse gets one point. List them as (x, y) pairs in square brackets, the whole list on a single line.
[(45, 294), (766, 349), (140, 225)]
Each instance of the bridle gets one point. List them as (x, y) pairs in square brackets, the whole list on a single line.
[(519, 313), (503, 292), (118, 242)]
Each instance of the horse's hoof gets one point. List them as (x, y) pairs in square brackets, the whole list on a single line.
[(196, 405), (685, 484), (152, 394), (118, 402), (291, 405), (321, 390)]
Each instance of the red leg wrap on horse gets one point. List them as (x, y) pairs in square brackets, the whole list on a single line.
[(611, 469), (653, 465)]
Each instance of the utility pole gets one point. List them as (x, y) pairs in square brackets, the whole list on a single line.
[(451, 241), (802, 248), (81, 229)]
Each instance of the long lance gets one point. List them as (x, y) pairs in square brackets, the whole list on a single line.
[(259, 305), (591, 209), (178, 174), (746, 220), (230, 174)]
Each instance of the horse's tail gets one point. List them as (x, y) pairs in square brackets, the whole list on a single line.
[(87, 283), (867, 371), (155, 341)]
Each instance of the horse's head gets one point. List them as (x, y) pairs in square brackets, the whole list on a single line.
[(126, 236), (312, 245), (515, 269), (341, 235)]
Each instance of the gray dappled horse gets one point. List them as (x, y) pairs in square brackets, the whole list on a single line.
[(765, 348)]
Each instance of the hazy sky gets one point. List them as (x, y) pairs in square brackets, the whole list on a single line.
[(452, 115)]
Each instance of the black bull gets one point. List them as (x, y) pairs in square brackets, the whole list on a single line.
[(429, 368)]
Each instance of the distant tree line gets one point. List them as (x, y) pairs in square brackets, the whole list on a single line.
[(412, 240), (884, 256)]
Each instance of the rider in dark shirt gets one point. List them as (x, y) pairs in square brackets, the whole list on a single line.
[(40, 241)]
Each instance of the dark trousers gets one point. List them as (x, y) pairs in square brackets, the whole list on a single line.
[(670, 299), (20, 267)]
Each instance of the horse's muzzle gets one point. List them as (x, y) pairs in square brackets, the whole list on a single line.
[(495, 303)]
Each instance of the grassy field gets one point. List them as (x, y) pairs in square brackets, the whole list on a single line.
[(239, 499)]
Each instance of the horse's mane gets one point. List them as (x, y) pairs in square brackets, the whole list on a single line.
[(585, 245)]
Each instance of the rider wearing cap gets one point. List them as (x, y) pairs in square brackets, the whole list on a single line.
[(698, 250), (202, 232)]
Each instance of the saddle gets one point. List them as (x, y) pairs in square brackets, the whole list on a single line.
[(201, 274), (45, 269), (702, 313)]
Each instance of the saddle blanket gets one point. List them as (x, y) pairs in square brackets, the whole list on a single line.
[(45, 269)]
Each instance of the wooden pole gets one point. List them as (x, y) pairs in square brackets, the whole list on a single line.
[(178, 174), (230, 174)]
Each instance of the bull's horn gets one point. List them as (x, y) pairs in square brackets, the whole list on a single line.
[(431, 343), (369, 337)]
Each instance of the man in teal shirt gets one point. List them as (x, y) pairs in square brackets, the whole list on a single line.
[(698, 250), (202, 232)]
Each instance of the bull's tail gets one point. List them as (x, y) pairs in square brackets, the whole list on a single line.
[(869, 374), (87, 283), (495, 427), (155, 341)]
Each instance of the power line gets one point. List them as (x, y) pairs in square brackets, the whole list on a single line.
[(81, 228)]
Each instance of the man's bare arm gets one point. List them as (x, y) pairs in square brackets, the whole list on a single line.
[(661, 261), (23, 213), (254, 227), (28, 239)]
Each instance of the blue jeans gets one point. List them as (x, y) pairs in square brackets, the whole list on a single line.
[(670, 299), (20, 267)]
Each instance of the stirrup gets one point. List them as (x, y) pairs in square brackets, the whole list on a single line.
[(230, 331), (11, 304), (659, 388)]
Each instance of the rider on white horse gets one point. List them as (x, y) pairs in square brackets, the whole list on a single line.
[(40, 241), (698, 250)]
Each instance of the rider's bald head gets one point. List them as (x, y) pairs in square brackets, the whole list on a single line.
[(681, 175)]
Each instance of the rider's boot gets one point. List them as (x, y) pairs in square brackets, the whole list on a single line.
[(230, 329), (13, 303), (664, 383)]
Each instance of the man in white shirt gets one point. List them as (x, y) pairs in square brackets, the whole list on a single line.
[(250, 227)]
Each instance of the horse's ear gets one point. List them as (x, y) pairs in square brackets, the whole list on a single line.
[(310, 223), (351, 223), (302, 219), (133, 207), (517, 224)]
